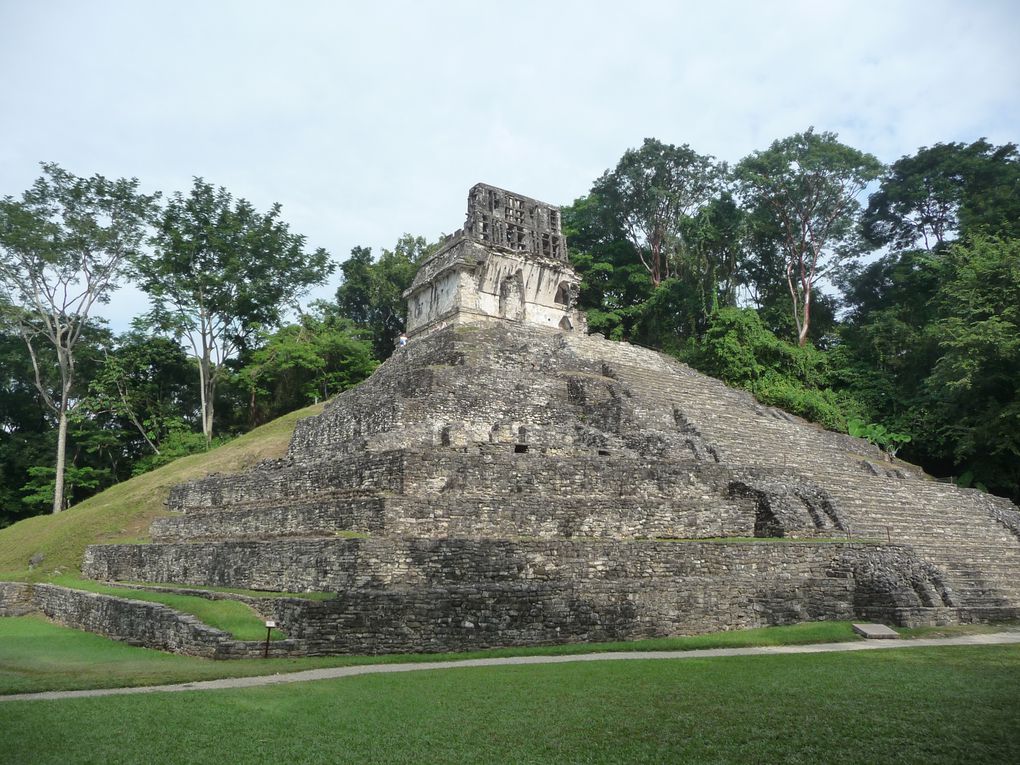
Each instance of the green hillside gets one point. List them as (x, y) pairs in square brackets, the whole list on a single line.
[(123, 512)]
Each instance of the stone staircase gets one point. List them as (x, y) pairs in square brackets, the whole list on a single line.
[(951, 527)]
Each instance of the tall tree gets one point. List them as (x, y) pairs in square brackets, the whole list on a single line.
[(973, 402), (653, 191), (808, 185), (371, 293), (221, 271), (928, 199), (614, 284), (63, 246)]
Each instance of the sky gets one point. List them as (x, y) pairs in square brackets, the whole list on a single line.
[(369, 120)]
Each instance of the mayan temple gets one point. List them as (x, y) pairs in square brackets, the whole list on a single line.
[(507, 479)]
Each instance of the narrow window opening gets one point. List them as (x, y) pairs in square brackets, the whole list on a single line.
[(562, 294), (603, 452), (520, 448)]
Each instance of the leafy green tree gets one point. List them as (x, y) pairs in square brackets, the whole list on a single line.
[(63, 247), (221, 272), (928, 199), (27, 436), (974, 387), (371, 293), (653, 191), (145, 382), (303, 363), (808, 185), (614, 284)]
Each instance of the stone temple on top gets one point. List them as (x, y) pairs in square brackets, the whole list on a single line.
[(507, 479), (508, 263)]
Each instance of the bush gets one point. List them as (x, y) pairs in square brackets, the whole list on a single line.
[(740, 350)]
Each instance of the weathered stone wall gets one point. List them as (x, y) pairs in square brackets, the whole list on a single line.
[(138, 622), (666, 587), (308, 517), (16, 599), (141, 623), (512, 516), (282, 481), (332, 565)]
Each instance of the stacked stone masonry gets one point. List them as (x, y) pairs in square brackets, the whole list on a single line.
[(512, 486)]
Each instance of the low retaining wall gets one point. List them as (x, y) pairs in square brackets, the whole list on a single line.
[(446, 595), (152, 625)]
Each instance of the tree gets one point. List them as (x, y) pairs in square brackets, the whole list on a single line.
[(63, 247), (614, 284), (808, 186), (653, 191), (144, 383), (221, 272), (27, 437), (303, 363), (371, 293), (973, 391), (927, 199)]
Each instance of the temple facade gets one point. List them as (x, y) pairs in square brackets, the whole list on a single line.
[(508, 263)]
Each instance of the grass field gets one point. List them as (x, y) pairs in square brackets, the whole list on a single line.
[(938, 705)]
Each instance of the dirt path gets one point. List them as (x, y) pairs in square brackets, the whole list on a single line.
[(332, 673)]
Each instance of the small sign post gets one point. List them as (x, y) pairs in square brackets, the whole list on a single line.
[(269, 630)]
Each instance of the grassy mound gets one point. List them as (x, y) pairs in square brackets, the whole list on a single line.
[(123, 512)]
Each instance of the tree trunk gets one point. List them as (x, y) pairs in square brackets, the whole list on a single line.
[(806, 324), (207, 389), (58, 485)]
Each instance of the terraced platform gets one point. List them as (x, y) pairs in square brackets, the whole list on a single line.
[(508, 485)]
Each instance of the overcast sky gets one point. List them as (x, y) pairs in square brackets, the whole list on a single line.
[(368, 120)]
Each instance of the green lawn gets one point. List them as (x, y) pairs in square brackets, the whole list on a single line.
[(931, 705), (36, 655)]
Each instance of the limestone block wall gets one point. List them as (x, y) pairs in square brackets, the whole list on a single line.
[(16, 599), (149, 624), (275, 482), (507, 516), (323, 516), (663, 578)]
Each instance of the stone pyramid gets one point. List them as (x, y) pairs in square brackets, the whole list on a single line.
[(507, 479)]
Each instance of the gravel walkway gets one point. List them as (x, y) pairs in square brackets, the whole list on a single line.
[(332, 673)]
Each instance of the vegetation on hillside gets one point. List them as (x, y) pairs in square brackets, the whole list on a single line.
[(124, 512)]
